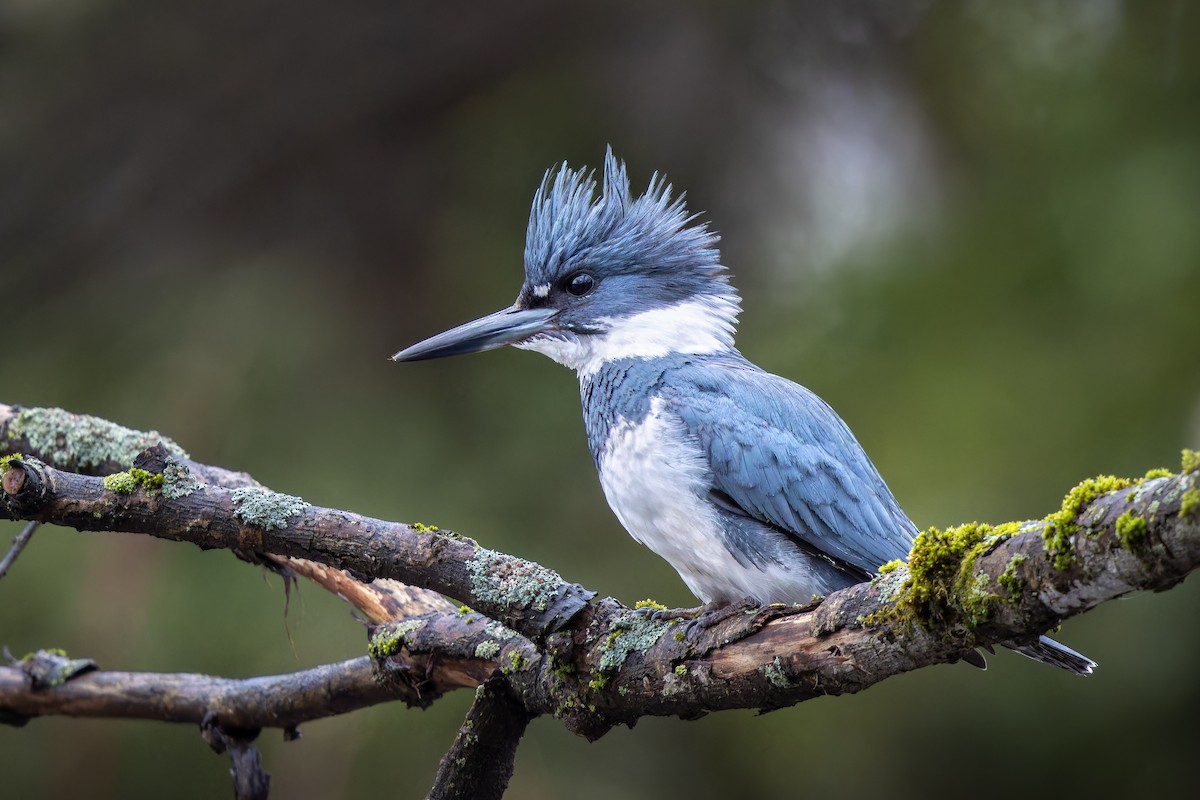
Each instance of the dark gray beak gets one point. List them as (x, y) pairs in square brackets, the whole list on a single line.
[(509, 326)]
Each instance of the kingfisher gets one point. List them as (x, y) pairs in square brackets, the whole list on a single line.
[(747, 483)]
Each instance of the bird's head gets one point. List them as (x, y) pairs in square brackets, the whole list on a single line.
[(607, 277)]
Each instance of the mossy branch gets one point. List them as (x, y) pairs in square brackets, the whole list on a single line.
[(594, 664)]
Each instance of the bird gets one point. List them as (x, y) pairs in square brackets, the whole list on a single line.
[(747, 483)]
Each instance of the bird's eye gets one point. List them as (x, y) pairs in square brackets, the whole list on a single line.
[(580, 284)]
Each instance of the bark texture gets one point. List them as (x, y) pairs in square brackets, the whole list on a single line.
[(536, 644)]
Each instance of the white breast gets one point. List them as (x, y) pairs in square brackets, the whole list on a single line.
[(654, 478)]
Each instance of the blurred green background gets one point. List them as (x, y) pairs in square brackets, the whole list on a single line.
[(974, 228)]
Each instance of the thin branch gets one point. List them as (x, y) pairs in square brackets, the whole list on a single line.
[(526, 596), (479, 765), (20, 541), (93, 446), (250, 781), (278, 701)]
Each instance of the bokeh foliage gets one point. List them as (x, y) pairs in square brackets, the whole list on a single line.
[(973, 228)]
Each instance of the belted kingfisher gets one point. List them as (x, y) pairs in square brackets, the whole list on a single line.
[(748, 484)]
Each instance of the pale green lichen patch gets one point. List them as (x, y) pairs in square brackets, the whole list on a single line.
[(265, 509), (487, 650), (82, 443), (390, 640), (131, 480), (776, 674), (892, 582), (1061, 525), (498, 631), (631, 633), (178, 480), (506, 581), (1190, 502), (1131, 529), (1190, 462)]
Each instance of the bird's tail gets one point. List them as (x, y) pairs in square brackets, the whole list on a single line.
[(1048, 651)]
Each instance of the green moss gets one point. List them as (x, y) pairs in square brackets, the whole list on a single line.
[(6, 461), (1190, 462), (1061, 525), (390, 640), (1131, 529), (681, 670), (680, 636), (265, 509), (1010, 580), (891, 566), (505, 581), (487, 650), (420, 527), (940, 583), (178, 480), (131, 480), (942, 572), (598, 683), (631, 633), (516, 663), (464, 609), (82, 443), (1190, 502), (1160, 472), (648, 603)]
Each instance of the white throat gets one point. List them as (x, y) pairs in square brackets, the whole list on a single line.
[(703, 325)]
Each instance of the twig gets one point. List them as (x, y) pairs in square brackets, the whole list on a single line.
[(250, 781), (278, 701), (19, 543), (479, 764)]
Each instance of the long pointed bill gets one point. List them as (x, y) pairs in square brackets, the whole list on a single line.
[(509, 326)]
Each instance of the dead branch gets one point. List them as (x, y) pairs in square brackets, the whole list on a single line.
[(554, 650)]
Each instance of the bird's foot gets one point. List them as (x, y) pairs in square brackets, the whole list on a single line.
[(702, 617)]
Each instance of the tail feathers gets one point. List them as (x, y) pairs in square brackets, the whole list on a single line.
[(1048, 651)]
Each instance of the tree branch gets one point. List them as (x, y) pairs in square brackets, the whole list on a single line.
[(596, 664), (277, 701), (20, 542), (480, 762), (527, 597)]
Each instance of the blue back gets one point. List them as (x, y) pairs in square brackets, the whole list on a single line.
[(774, 449)]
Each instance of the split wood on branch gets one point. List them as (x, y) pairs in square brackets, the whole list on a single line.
[(595, 664)]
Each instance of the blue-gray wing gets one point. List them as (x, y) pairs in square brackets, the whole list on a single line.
[(787, 459)]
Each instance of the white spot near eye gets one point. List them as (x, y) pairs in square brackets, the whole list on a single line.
[(541, 290)]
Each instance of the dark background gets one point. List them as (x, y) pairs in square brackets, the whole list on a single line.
[(971, 227)]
